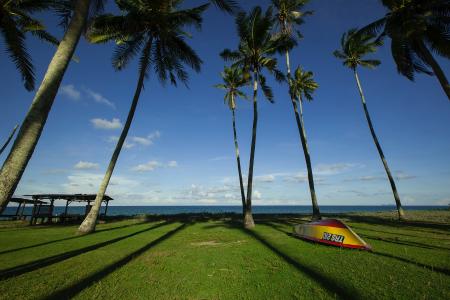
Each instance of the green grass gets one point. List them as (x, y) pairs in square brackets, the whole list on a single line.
[(214, 258)]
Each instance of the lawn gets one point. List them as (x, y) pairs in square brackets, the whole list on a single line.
[(212, 257)]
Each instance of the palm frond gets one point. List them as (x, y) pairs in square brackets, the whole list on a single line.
[(15, 45), (267, 91), (229, 6)]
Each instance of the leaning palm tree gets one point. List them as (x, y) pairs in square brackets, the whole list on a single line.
[(290, 14), (156, 32), (416, 28), (233, 80), (354, 46), (256, 47), (34, 122), (15, 22), (75, 14), (302, 85)]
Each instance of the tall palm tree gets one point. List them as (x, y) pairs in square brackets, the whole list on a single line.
[(75, 14), (416, 28), (302, 85), (154, 30), (354, 46), (34, 122), (290, 14), (15, 22), (233, 80), (256, 47)]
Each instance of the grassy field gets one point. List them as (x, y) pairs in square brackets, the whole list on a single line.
[(214, 258)]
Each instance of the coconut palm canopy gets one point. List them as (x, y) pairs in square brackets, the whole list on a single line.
[(303, 84), (234, 80), (355, 46), (416, 28), (180, 150), (15, 22)]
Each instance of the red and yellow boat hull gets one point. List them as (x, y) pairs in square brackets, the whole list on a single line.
[(331, 232)]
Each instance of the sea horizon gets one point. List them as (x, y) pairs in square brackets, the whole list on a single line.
[(131, 210)]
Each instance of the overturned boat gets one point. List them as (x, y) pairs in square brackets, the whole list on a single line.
[(331, 232)]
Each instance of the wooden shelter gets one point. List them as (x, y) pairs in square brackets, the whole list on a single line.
[(19, 214), (45, 209)]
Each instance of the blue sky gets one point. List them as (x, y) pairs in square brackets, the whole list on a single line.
[(180, 149)]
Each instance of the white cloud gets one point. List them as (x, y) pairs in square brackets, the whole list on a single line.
[(265, 178), (370, 178), (81, 182), (219, 158), (85, 165), (257, 194), (154, 135), (70, 91), (147, 140), (333, 169), (105, 124), (172, 164), (99, 98), (126, 145), (153, 164), (141, 140), (399, 175), (150, 166), (443, 201), (402, 175), (137, 140)]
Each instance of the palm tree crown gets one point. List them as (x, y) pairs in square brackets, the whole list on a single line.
[(413, 25), (15, 22), (257, 45), (289, 13), (303, 84), (354, 46), (156, 29), (233, 80)]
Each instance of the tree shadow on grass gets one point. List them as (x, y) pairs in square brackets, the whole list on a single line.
[(276, 226), (76, 288), (45, 262), (391, 222), (431, 268), (69, 238), (405, 243), (397, 233), (334, 287)]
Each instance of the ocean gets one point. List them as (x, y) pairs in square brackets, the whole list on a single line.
[(261, 209)]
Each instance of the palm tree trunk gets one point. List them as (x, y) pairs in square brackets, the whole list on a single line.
[(9, 139), (238, 159), (34, 122), (301, 129), (436, 68), (90, 221), (401, 213), (248, 217)]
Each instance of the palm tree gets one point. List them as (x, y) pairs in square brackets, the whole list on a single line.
[(34, 122), (288, 15), (155, 31), (354, 46), (15, 22), (415, 27), (301, 87), (233, 80), (254, 54)]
